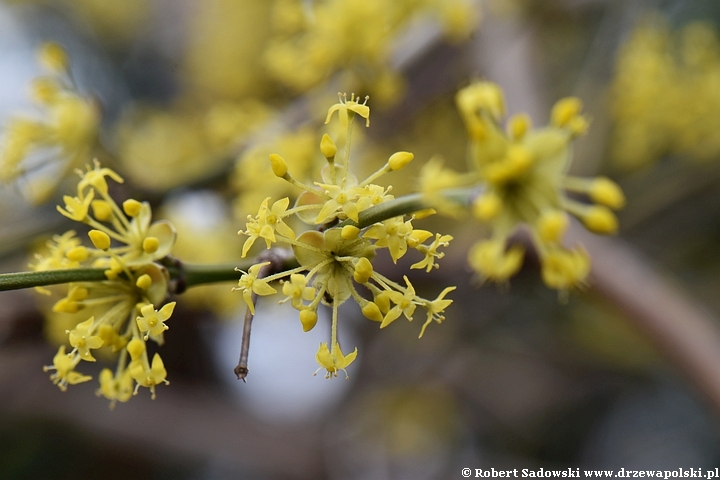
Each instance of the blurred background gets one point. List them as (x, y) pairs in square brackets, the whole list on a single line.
[(194, 95)]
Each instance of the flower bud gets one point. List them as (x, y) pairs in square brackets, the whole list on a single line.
[(399, 160), (363, 270), (150, 244), (372, 311), (607, 192), (131, 207), (136, 347), (144, 281), (349, 232), (278, 164), (53, 57), (552, 225), (565, 110), (77, 254), (101, 240), (486, 207), (327, 146), (101, 210), (599, 219), (308, 319)]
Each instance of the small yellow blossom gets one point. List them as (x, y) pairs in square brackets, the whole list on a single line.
[(115, 389), (333, 359), (82, 341), (249, 283), (565, 269), (435, 308), (431, 253), (297, 290), (404, 304), (64, 367), (346, 108), (53, 57), (266, 223), (76, 208), (152, 322), (146, 375), (490, 259)]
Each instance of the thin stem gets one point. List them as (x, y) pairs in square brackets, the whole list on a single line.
[(15, 281), (194, 274), (405, 205)]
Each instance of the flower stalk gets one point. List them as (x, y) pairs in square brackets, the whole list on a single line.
[(190, 275)]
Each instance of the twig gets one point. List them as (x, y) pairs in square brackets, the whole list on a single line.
[(278, 259)]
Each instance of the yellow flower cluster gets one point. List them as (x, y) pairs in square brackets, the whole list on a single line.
[(117, 314), (313, 41), (665, 95), (162, 148), (67, 132), (521, 174), (338, 255)]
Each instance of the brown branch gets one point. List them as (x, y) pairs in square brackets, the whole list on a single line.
[(684, 332)]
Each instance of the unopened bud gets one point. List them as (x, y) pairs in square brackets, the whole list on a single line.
[(278, 164), (327, 146), (399, 159), (308, 319), (101, 240)]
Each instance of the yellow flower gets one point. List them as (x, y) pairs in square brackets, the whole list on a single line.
[(146, 375), (431, 253), (395, 234), (82, 340), (347, 107), (64, 367), (266, 223), (249, 283), (297, 290), (565, 269), (340, 200), (435, 308), (115, 388), (404, 304), (76, 208), (490, 259), (334, 360), (152, 322), (143, 241)]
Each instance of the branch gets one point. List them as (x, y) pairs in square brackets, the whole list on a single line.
[(15, 281)]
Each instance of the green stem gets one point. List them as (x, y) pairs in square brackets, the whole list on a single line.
[(195, 274), (15, 281), (405, 205)]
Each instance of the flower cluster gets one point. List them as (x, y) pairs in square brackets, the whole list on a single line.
[(67, 130), (521, 174), (356, 37), (338, 256), (665, 96), (117, 314)]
